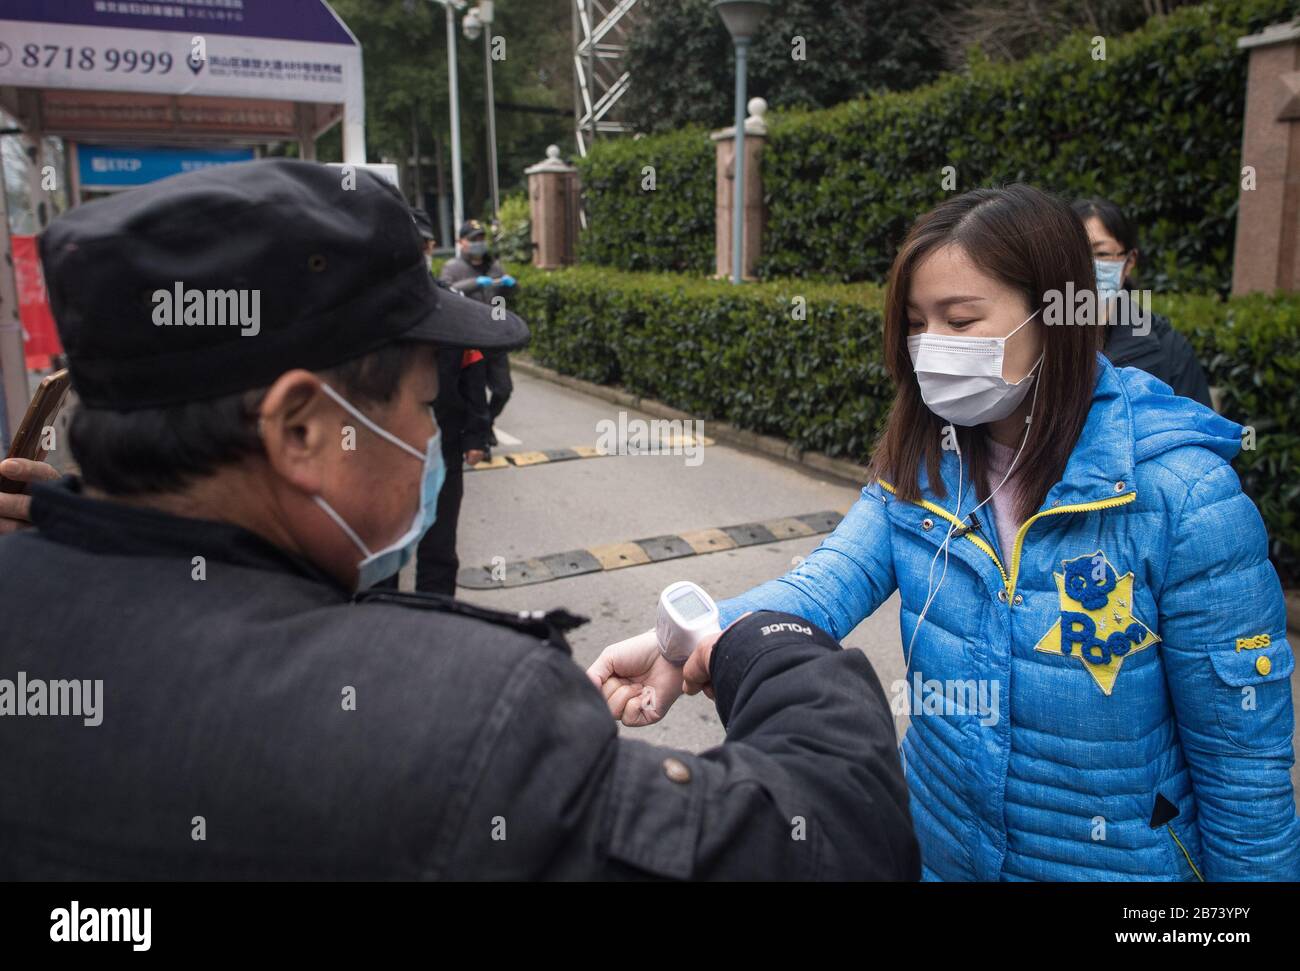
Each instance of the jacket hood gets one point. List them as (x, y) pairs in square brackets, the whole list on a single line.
[(1135, 417), (1163, 420)]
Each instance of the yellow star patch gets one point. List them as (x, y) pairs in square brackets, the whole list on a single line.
[(1102, 634)]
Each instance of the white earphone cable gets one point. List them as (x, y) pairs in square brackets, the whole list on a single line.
[(932, 591)]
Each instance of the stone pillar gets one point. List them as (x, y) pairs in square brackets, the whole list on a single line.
[(553, 204), (1267, 254), (755, 212)]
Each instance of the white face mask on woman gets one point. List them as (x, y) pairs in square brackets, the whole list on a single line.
[(961, 377)]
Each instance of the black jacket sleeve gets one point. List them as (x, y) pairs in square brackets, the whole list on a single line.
[(1162, 352), (807, 785), (1186, 376)]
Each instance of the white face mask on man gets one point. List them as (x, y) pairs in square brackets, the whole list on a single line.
[(961, 377)]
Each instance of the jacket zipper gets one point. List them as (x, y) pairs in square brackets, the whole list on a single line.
[(1009, 580), (1078, 507)]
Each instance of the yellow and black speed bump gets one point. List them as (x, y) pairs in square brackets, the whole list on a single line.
[(520, 459), (616, 556)]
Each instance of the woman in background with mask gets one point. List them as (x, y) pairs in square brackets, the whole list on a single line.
[(1096, 641), (1149, 343)]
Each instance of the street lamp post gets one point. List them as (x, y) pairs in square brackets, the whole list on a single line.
[(480, 19), (741, 18), (458, 200)]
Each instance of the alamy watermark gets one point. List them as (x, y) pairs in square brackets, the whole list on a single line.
[(658, 436), (35, 696), (930, 696), (131, 925), (179, 307), (1085, 307)]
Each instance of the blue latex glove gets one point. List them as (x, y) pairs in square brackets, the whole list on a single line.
[(507, 281), (485, 281)]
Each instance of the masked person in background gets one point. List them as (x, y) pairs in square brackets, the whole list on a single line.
[(1135, 335), (475, 273), (245, 705), (1087, 599), (461, 412)]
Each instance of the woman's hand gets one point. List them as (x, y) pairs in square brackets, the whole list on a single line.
[(638, 683), (15, 509)]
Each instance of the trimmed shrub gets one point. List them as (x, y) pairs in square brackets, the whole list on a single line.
[(669, 227), (739, 354), (514, 239), (1156, 127), (1250, 348)]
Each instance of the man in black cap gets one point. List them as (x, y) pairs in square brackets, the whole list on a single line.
[(474, 272), (226, 697)]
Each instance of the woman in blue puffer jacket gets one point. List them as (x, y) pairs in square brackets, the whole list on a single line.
[(1097, 654)]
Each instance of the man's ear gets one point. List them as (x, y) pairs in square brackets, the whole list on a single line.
[(299, 426)]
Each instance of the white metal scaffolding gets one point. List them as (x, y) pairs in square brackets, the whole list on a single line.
[(600, 33)]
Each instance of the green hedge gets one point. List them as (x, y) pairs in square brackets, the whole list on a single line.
[(742, 356), (1156, 126), (668, 228), (707, 347), (1250, 347)]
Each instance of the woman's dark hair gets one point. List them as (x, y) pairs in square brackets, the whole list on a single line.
[(155, 450), (1032, 242), (1111, 216)]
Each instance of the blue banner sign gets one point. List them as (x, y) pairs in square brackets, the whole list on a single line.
[(102, 167)]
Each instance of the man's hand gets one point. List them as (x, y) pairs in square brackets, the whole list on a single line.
[(474, 456), (695, 672), (638, 683), (15, 509)]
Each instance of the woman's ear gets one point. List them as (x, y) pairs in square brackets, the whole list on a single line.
[(1130, 264), (299, 429)]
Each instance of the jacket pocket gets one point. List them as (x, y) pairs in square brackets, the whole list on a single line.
[(1253, 690)]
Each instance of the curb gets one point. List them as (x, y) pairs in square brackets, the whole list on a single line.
[(778, 448)]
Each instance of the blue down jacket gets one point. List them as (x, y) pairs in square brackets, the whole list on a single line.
[(1111, 699)]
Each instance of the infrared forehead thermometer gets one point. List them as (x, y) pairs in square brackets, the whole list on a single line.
[(686, 616)]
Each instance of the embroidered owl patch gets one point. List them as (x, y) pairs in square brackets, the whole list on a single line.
[(1097, 624)]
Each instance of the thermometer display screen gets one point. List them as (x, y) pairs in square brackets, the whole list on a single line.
[(690, 606)]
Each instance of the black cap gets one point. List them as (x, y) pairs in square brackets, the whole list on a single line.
[(471, 229), (423, 224), (325, 262)]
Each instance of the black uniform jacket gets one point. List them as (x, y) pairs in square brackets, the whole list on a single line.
[(1161, 352), (461, 408), (258, 722)]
